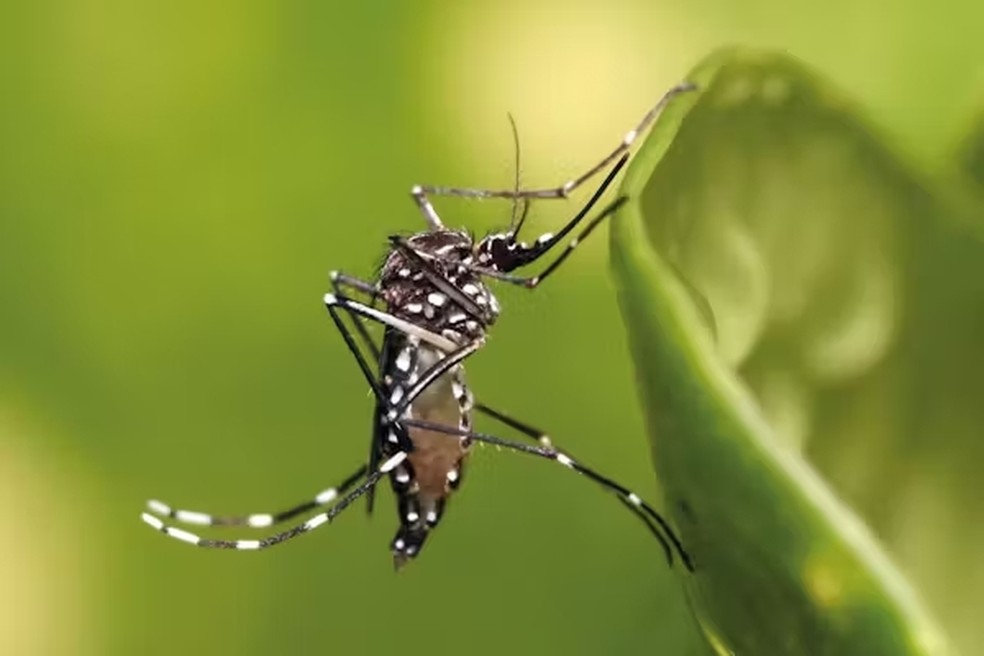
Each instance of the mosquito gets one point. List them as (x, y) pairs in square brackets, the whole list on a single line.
[(435, 314)]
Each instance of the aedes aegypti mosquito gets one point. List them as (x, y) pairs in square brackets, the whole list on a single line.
[(437, 311)]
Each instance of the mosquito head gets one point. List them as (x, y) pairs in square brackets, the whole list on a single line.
[(501, 252), (493, 251)]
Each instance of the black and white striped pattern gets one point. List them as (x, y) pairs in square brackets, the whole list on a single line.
[(272, 540), (255, 520)]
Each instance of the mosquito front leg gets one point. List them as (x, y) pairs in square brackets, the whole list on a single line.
[(420, 192)]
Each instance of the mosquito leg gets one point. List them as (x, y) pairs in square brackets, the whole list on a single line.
[(629, 498), (441, 342), (562, 191), (594, 223), (402, 439), (339, 281), (523, 254), (535, 434), (311, 524), (419, 195), (401, 397), (352, 346), (401, 400), (544, 440), (256, 520), (332, 302), (548, 240)]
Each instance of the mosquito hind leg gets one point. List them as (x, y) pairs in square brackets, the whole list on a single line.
[(659, 527), (529, 431), (544, 440), (291, 533), (256, 520)]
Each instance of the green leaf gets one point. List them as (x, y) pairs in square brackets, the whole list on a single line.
[(782, 276)]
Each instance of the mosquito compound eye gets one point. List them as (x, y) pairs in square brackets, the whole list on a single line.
[(495, 253)]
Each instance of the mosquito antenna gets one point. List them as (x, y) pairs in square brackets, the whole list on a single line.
[(518, 217)]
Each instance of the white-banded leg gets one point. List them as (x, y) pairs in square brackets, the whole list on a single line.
[(262, 543), (340, 281), (528, 430), (358, 311), (333, 302), (544, 440), (420, 192), (629, 498), (256, 520), (400, 400)]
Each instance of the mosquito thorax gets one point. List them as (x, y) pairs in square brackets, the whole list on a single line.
[(464, 307)]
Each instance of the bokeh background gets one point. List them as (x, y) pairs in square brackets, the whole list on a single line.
[(176, 182)]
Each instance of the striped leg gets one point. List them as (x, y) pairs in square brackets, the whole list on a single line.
[(256, 520), (629, 498), (420, 192), (535, 434), (289, 534), (339, 281), (333, 301), (544, 440), (399, 403)]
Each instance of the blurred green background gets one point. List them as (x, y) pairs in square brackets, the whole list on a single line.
[(176, 182)]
